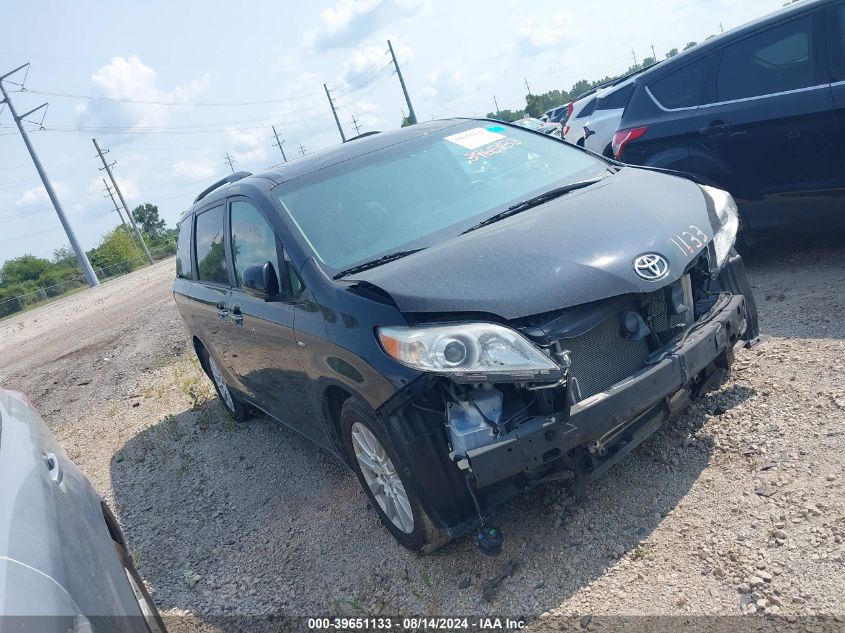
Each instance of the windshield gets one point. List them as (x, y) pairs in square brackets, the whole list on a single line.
[(419, 192)]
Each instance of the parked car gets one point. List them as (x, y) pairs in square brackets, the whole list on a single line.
[(757, 111), (582, 108), (537, 125), (462, 310), (64, 564), (556, 115)]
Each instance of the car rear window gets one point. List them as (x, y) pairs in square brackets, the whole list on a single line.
[(617, 99), (776, 60), (683, 87), (183, 249), (211, 255)]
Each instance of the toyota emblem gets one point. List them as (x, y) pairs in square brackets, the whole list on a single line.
[(651, 266)]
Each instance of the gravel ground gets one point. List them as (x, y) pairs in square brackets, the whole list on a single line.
[(735, 507)]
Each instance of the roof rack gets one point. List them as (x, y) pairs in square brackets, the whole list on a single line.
[(363, 135), (238, 175)]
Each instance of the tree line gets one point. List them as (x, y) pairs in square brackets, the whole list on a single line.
[(118, 252)]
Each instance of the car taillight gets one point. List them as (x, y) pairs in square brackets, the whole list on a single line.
[(565, 130), (623, 137), (569, 109)]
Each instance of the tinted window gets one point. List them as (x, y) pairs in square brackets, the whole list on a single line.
[(682, 88), (587, 110), (183, 249), (253, 240), (211, 256), (617, 99), (837, 53), (775, 60)]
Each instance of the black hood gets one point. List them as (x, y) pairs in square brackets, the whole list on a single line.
[(572, 250)]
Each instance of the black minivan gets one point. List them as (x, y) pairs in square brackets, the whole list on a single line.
[(462, 310), (758, 111)]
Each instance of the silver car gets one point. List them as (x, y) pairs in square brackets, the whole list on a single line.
[(64, 565)]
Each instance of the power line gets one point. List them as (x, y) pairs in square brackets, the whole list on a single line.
[(66, 95)]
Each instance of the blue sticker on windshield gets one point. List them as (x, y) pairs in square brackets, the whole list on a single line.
[(496, 128)]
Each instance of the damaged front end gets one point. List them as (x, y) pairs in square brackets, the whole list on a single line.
[(474, 435)]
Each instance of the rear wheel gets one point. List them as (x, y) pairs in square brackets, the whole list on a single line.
[(152, 620), (374, 461), (231, 403)]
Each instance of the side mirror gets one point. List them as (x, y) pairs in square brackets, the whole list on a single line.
[(261, 280)]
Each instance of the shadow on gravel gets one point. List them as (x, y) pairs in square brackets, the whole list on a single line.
[(797, 281), (226, 519)]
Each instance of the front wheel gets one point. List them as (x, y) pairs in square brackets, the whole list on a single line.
[(373, 460)]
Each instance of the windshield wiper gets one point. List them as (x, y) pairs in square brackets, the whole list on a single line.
[(376, 262), (536, 201)]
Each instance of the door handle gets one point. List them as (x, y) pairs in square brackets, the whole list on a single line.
[(222, 310), (237, 315), (53, 467), (717, 127)]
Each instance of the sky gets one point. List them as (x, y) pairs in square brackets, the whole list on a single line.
[(169, 88)]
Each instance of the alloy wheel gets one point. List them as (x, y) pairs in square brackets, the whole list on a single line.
[(382, 478)]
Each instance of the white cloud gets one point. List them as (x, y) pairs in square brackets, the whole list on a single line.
[(129, 79), (250, 146), (349, 21), (39, 194), (537, 35), (194, 169)]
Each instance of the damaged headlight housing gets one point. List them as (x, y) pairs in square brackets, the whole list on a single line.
[(728, 215), (466, 349)]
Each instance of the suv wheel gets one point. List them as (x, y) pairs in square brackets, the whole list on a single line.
[(233, 406), (373, 460)]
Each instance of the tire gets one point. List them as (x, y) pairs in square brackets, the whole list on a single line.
[(410, 525), (234, 407), (152, 619)]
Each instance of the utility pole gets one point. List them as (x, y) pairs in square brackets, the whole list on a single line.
[(498, 112), (109, 194), (635, 57), (107, 167), (230, 162), (279, 144), (527, 87), (334, 112), (653, 54), (301, 150), (81, 257), (721, 28), (355, 125), (411, 113)]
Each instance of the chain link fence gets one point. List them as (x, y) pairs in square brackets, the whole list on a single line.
[(47, 293)]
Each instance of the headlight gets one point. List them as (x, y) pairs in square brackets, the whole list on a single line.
[(468, 348), (725, 237)]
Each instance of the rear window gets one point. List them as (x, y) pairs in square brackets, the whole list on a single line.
[(616, 100), (183, 249), (776, 60), (684, 87), (211, 255), (587, 110)]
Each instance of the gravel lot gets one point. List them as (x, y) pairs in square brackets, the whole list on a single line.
[(735, 507)]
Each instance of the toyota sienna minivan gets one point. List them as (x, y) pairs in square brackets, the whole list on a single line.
[(462, 310)]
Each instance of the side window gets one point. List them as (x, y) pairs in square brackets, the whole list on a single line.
[(684, 87), (587, 110), (836, 35), (211, 254), (296, 285), (253, 240), (776, 60), (183, 249)]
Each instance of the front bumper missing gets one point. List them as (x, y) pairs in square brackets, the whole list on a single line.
[(646, 399)]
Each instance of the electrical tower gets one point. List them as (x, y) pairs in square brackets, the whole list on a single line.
[(334, 112), (107, 166), (411, 114), (279, 144), (230, 162), (355, 125), (81, 257)]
